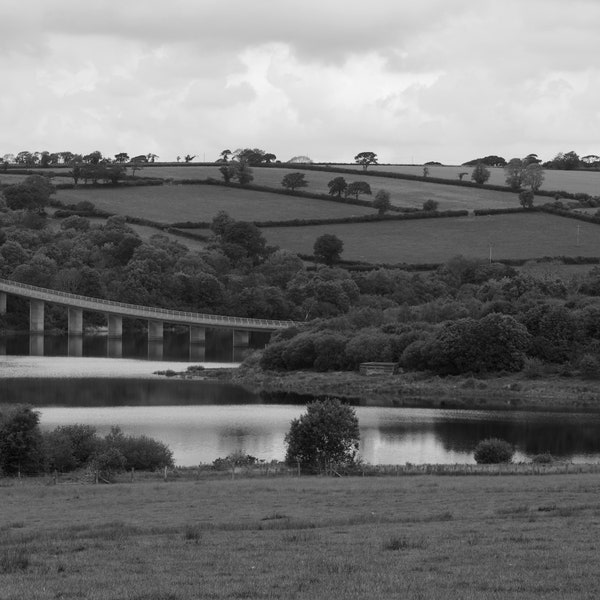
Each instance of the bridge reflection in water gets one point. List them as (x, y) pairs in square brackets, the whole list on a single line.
[(156, 318)]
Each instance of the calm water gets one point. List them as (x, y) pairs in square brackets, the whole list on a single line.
[(201, 421)]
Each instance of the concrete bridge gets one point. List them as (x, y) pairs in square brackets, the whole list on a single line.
[(116, 311)]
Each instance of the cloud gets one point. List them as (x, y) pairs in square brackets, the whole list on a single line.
[(429, 80)]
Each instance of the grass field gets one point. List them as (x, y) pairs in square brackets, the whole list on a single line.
[(403, 192), (587, 182), (172, 203), (422, 537), (436, 240)]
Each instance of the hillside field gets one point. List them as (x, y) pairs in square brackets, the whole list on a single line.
[(403, 192), (587, 182), (436, 240), (174, 203), (421, 537)]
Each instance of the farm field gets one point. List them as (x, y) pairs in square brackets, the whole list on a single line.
[(587, 182), (174, 203), (479, 537), (436, 240), (403, 193)]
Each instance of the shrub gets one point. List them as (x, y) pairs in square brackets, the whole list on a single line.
[(589, 366), (143, 453), (542, 459), (324, 438), (493, 451)]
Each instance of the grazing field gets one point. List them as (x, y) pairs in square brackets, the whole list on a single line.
[(173, 203), (587, 182), (403, 192), (531, 235), (421, 537)]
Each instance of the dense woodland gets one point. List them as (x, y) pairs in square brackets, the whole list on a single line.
[(465, 316)]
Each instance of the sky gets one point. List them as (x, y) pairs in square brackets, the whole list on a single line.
[(412, 81)]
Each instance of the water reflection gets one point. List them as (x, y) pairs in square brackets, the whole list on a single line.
[(217, 347), (201, 421)]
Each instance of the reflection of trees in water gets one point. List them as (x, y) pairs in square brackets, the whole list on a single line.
[(96, 391), (562, 436)]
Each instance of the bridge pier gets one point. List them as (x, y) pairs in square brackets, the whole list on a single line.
[(36, 316), (114, 347), (2, 303), (241, 343), (36, 344), (115, 326), (75, 345), (197, 343), (155, 331), (75, 321)]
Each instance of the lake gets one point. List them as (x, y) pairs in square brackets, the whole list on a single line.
[(201, 421)]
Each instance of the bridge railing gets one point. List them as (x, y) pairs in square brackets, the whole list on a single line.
[(150, 311)]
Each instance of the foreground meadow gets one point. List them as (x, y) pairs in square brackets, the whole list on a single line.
[(525, 236), (423, 537)]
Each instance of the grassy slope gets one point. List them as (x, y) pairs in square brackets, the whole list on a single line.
[(436, 240), (403, 192), (171, 203), (587, 182), (311, 538)]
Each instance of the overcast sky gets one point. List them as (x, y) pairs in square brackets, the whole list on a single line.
[(413, 81)]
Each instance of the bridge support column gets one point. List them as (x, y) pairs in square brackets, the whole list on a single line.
[(75, 345), (115, 326), (197, 335), (197, 343), (155, 331), (241, 339), (115, 347), (241, 342), (75, 321), (36, 344), (2, 303), (36, 316)]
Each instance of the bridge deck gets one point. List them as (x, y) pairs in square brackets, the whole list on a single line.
[(139, 312)]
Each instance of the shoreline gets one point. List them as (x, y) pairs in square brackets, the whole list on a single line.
[(418, 390)]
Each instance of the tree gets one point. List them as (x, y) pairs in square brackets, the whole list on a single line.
[(324, 438), (328, 248), (227, 171), (224, 156), (514, 173), (533, 176), (358, 187), (242, 172), (531, 159), (189, 158), (252, 156), (480, 174), (32, 194), (291, 181), (430, 205), (526, 199), (337, 186), (493, 451), (491, 161), (269, 158), (382, 202), (425, 172), (365, 159), (20, 442), (122, 157)]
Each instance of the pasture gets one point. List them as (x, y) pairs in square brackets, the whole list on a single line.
[(175, 203), (403, 192), (420, 537), (524, 235), (587, 182)]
